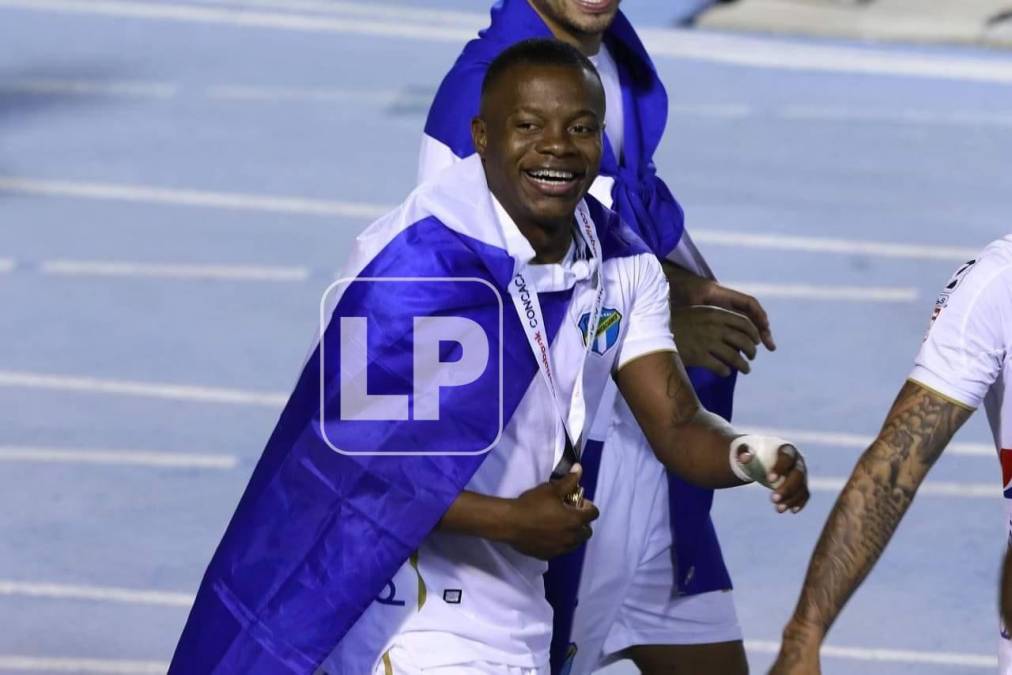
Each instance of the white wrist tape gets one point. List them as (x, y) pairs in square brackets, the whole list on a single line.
[(764, 451)]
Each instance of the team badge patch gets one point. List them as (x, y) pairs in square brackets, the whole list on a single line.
[(607, 330), (954, 281)]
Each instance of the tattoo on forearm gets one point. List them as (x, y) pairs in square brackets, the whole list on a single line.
[(870, 507), (680, 391)]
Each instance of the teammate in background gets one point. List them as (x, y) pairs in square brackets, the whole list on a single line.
[(966, 360), (652, 586)]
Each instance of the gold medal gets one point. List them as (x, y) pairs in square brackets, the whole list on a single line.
[(575, 498)]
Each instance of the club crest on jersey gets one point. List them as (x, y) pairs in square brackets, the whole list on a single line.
[(607, 330), (943, 298)]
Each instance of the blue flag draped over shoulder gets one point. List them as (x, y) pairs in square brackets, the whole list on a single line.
[(318, 532)]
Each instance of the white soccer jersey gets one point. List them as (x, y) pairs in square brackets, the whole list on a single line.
[(967, 357), (463, 599)]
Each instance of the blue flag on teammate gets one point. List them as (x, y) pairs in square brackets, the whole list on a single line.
[(322, 527)]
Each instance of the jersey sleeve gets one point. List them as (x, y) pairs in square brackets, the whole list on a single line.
[(649, 324), (966, 345)]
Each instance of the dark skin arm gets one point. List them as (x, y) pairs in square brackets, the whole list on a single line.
[(688, 440), (537, 523), (919, 426)]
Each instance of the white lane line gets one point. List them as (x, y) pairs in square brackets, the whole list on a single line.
[(240, 397), (272, 94), (473, 20), (435, 26), (94, 385), (923, 117), (780, 242), (322, 207), (220, 200), (928, 488), (87, 268), (732, 111), (9, 453), (720, 111), (814, 292), (244, 18), (784, 54), (888, 655), (34, 663), (156, 90), (130, 596), (859, 441), (12, 663), (84, 268)]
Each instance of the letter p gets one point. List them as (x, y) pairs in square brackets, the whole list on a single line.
[(431, 373)]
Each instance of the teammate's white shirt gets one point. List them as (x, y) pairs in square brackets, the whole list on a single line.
[(614, 120), (967, 357), (471, 600)]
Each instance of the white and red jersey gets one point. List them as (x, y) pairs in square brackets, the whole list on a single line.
[(967, 354)]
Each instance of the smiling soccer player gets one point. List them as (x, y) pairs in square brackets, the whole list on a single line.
[(386, 562), (652, 586)]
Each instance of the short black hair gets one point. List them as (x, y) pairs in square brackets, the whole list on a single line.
[(539, 52)]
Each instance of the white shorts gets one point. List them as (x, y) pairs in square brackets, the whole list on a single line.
[(626, 595), (399, 661)]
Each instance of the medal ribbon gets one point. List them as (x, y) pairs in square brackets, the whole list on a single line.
[(524, 292)]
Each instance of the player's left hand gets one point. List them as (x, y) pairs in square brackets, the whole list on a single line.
[(787, 478)]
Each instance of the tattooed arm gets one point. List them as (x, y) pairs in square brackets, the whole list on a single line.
[(917, 429), (689, 440)]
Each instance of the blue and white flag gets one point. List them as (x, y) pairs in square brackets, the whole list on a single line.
[(366, 457)]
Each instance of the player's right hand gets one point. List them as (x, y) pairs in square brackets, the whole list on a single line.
[(543, 526), (776, 464)]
